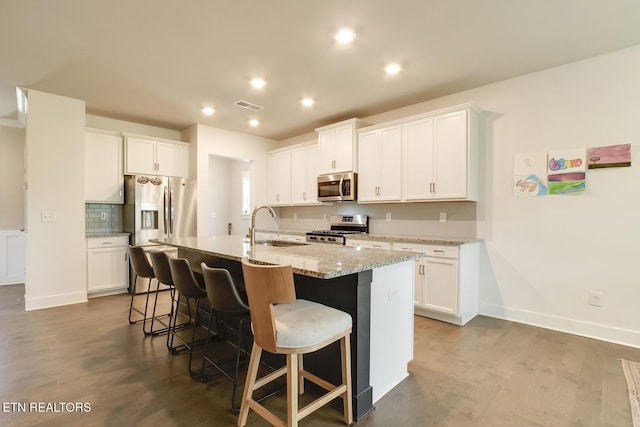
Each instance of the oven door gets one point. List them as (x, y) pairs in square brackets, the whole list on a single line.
[(336, 187)]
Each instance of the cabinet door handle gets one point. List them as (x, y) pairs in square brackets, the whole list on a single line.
[(126, 257), (304, 195), (376, 246)]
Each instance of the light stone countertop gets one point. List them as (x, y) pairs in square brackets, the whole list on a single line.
[(106, 234), (426, 240), (324, 261)]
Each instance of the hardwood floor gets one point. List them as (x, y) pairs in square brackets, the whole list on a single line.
[(488, 373)]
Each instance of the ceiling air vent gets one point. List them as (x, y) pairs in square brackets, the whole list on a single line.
[(248, 105)]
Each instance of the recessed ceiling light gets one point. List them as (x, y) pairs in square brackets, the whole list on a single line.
[(258, 83), (308, 102), (254, 123), (208, 111), (393, 68), (345, 36)]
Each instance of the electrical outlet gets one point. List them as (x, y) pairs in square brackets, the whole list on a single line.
[(295, 215), (47, 216), (443, 217), (595, 298), (393, 294), (324, 217), (103, 216), (388, 216)]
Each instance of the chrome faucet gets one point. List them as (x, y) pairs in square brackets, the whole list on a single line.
[(253, 220)]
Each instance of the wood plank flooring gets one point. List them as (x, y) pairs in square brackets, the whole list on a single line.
[(488, 373)]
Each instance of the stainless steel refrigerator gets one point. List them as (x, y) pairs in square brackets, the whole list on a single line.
[(157, 207)]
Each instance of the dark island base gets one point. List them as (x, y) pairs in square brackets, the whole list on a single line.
[(351, 294)]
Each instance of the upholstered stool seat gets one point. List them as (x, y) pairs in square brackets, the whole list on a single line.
[(285, 325), (305, 323)]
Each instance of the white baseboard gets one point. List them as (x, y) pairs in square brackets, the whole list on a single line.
[(576, 327), (54, 300)]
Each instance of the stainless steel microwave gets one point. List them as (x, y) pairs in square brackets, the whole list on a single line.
[(337, 187)]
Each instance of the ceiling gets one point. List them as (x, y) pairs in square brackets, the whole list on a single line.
[(159, 62)]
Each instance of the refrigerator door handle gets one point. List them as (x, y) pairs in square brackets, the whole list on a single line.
[(166, 211), (171, 213)]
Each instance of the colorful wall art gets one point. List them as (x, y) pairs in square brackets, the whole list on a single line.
[(612, 156), (566, 171), (530, 175)]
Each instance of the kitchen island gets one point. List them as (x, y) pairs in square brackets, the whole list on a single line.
[(374, 286)]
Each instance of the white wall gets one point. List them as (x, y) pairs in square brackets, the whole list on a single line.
[(544, 255), (219, 196), (210, 140), (12, 142), (56, 251)]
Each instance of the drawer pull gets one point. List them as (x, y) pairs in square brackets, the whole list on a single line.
[(438, 251), (107, 243)]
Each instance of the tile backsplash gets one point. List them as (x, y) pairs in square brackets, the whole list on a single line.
[(102, 218)]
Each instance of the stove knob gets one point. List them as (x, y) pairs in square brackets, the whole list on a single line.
[(331, 239)]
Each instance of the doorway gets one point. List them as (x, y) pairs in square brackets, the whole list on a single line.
[(229, 196)]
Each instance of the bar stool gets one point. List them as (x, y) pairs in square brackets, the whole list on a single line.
[(225, 300), (162, 271), (141, 268), (188, 287), (283, 324)]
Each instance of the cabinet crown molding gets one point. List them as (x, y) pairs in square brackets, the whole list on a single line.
[(357, 122), (467, 106)]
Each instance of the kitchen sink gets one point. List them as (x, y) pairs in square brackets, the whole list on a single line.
[(280, 243)]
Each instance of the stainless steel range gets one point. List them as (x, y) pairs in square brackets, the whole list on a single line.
[(341, 227)]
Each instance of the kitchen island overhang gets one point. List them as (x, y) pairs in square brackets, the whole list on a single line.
[(375, 286)]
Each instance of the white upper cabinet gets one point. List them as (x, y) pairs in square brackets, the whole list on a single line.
[(304, 175), (279, 178), (104, 178), (152, 157), (338, 147), (380, 165), (417, 146), (440, 157)]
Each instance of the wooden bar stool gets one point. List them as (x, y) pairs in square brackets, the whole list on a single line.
[(283, 324)]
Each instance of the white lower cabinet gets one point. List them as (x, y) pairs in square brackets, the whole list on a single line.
[(446, 281), (107, 265)]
